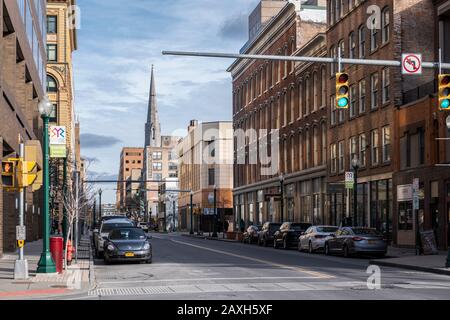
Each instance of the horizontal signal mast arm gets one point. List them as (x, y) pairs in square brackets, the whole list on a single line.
[(386, 63)]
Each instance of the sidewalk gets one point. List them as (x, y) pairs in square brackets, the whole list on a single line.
[(41, 286)]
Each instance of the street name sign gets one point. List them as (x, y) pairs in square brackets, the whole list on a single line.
[(349, 180)]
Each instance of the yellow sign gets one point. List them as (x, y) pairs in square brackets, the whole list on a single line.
[(21, 243)]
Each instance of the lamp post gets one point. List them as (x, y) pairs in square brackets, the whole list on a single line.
[(215, 213), (46, 263), (100, 191), (192, 213), (94, 220), (355, 164), (282, 198)]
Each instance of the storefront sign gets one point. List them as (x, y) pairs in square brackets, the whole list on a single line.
[(208, 211), (404, 193), (57, 135)]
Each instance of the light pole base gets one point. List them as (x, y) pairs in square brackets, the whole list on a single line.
[(21, 270), (46, 264)]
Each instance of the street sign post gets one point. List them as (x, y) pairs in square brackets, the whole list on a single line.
[(21, 233), (412, 63)]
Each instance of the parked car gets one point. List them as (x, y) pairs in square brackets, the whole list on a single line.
[(288, 234), (314, 238), (265, 236), (144, 226), (105, 229), (127, 244), (251, 234), (348, 241)]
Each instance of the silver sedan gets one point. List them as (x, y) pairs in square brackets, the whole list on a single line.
[(314, 238)]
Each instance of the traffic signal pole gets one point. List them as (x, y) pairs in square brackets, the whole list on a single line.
[(21, 265)]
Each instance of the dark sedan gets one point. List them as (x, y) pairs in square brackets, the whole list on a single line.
[(251, 234), (265, 236), (289, 233), (127, 244), (350, 241)]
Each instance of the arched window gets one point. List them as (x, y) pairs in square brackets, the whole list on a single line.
[(285, 109), (316, 146), (292, 154), (333, 54), (385, 25), (351, 45), (300, 100), (52, 85), (307, 95), (324, 143), (315, 92), (307, 149), (362, 41), (300, 151), (324, 87), (292, 102)]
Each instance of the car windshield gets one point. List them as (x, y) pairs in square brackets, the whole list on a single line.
[(299, 227), (127, 234), (107, 227), (327, 229), (367, 232)]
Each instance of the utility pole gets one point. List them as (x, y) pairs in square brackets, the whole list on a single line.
[(173, 207), (215, 213), (192, 213), (21, 265), (77, 179)]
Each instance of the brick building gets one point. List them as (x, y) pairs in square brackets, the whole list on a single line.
[(131, 159), (366, 131), (280, 95), (22, 78)]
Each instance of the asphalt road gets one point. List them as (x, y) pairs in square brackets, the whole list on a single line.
[(197, 269)]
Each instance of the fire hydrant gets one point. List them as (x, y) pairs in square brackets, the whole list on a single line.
[(70, 251)]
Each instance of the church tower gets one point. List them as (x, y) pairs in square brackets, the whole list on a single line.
[(152, 127)]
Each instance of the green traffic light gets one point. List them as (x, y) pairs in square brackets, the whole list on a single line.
[(445, 104), (343, 102)]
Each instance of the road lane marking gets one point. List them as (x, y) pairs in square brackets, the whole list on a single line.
[(205, 279), (316, 274)]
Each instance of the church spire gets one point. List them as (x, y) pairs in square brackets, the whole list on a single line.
[(152, 127)]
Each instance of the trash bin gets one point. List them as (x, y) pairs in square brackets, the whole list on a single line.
[(56, 249)]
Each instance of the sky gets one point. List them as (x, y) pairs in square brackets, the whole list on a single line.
[(118, 41)]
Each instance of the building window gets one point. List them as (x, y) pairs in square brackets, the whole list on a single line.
[(323, 87), (157, 166), (157, 156), (324, 143), (353, 148), (338, 10), (353, 105), (300, 100), (51, 52), (54, 114), (341, 156), (362, 149), (333, 54), (375, 147), (374, 90), (332, 14), (373, 35), (285, 62), (308, 149), (52, 86), (316, 147), (300, 152), (386, 140), (211, 176), (422, 146), (386, 82), (315, 92), (342, 48), (333, 158), (333, 110), (385, 25), (362, 96), (292, 102), (52, 25), (307, 95), (285, 109), (352, 45), (362, 41)]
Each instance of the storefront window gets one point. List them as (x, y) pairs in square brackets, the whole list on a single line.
[(405, 216)]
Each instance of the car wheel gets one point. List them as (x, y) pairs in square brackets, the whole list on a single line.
[(149, 261), (310, 248), (106, 260), (346, 252), (327, 249)]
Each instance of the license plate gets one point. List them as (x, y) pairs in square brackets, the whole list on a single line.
[(129, 254), (372, 242)]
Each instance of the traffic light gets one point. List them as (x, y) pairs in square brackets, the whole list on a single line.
[(8, 174), (444, 92), (26, 173), (342, 91)]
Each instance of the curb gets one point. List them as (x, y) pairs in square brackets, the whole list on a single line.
[(210, 238), (410, 267)]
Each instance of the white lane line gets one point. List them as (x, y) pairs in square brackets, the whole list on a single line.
[(318, 275), (204, 279)]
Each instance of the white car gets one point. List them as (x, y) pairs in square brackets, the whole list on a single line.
[(104, 231), (313, 239)]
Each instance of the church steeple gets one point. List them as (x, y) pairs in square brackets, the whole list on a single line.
[(152, 127)]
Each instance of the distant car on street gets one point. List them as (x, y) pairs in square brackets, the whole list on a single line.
[(288, 234), (144, 226), (265, 236), (314, 238), (127, 244), (348, 241), (251, 234), (105, 229)]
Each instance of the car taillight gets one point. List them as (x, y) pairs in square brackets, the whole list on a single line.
[(358, 239)]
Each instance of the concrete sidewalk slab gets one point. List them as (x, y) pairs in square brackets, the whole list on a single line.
[(431, 264)]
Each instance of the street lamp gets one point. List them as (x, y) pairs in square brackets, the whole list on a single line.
[(192, 212), (282, 198), (100, 191), (46, 263), (215, 213), (355, 164)]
